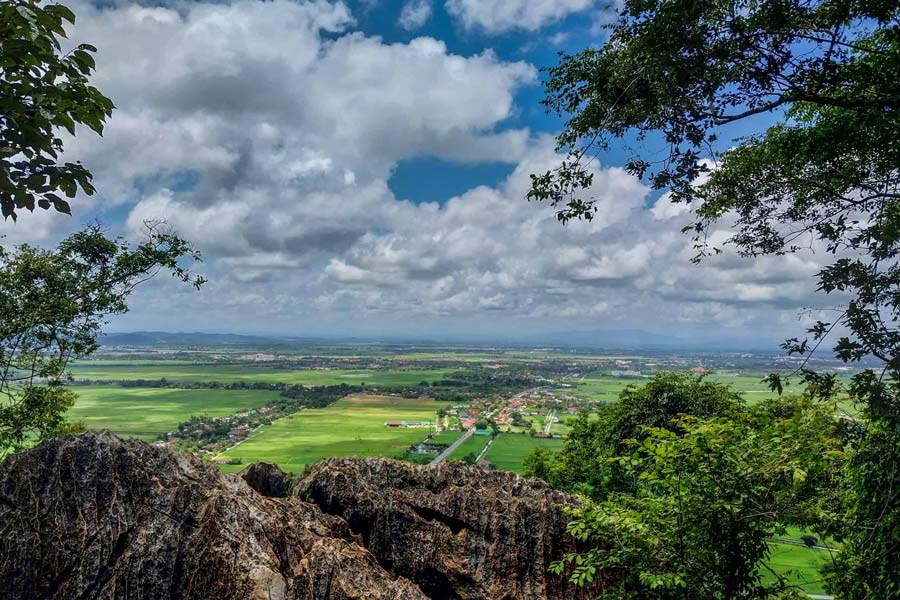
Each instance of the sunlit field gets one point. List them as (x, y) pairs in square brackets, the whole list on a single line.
[(353, 426), (227, 373), (799, 564), (473, 445), (146, 412), (604, 387), (509, 449)]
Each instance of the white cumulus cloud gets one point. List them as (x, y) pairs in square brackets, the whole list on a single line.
[(414, 14), (267, 133), (499, 16)]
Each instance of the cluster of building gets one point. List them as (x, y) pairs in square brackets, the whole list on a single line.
[(211, 435)]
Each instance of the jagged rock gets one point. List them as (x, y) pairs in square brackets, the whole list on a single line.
[(93, 516), (458, 531), (267, 479)]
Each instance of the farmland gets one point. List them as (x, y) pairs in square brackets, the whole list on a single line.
[(229, 373), (800, 565), (143, 397), (353, 426), (473, 445), (144, 413), (508, 450), (600, 386)]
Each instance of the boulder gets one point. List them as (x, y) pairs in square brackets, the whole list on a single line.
[(267, 479)]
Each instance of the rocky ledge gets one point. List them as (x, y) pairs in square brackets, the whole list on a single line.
[(95, 516), (458, 531)]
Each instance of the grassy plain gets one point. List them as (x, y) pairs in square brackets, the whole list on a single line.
[(230, 372), (605, 388), (146, 412), (474, 444), (799, 564), (509, 449), (446, 437), (353, 426)]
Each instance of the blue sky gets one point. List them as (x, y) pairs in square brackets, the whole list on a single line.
[(431, 179), (360, 168)]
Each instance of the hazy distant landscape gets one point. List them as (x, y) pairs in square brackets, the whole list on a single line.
[(147, 384)]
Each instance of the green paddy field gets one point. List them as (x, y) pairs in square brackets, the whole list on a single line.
[(353, 426), (800, 565), (509, 449), (144, 413), (473, 445), (228, 373), (602, 386)]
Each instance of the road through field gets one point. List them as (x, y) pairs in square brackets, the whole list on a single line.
[(549, 422), (443, 455)]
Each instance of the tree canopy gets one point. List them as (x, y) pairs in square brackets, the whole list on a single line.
[(54, 303), (672, 80), (678, 73), (42, 90), (708, 496), (584, 463)]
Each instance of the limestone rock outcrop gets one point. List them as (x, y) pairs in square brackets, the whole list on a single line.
[(458, 531), (94, 516)]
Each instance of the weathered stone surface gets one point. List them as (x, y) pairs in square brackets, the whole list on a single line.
[(267, 479), (93, 516), (456, 530)]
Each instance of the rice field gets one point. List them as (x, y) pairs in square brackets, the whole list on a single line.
[(353, 426), (510, 449), (229, 373), (144, 413)]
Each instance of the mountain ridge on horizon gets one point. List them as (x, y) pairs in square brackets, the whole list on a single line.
[(599, 339)]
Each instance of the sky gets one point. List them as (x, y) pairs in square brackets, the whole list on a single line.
[(359, 168)]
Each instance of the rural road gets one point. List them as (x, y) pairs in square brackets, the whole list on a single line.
[(443, 455), (549, 422)]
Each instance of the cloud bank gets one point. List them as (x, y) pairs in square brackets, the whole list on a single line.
[(266, 133)]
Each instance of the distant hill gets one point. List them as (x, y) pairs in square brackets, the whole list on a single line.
[(612, 338), (162, 339), (606, 339)]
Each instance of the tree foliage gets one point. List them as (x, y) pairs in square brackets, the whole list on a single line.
[(867, 567), (826, 176), (54, 303), (42, 90), (584, 463), (708, 495)]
